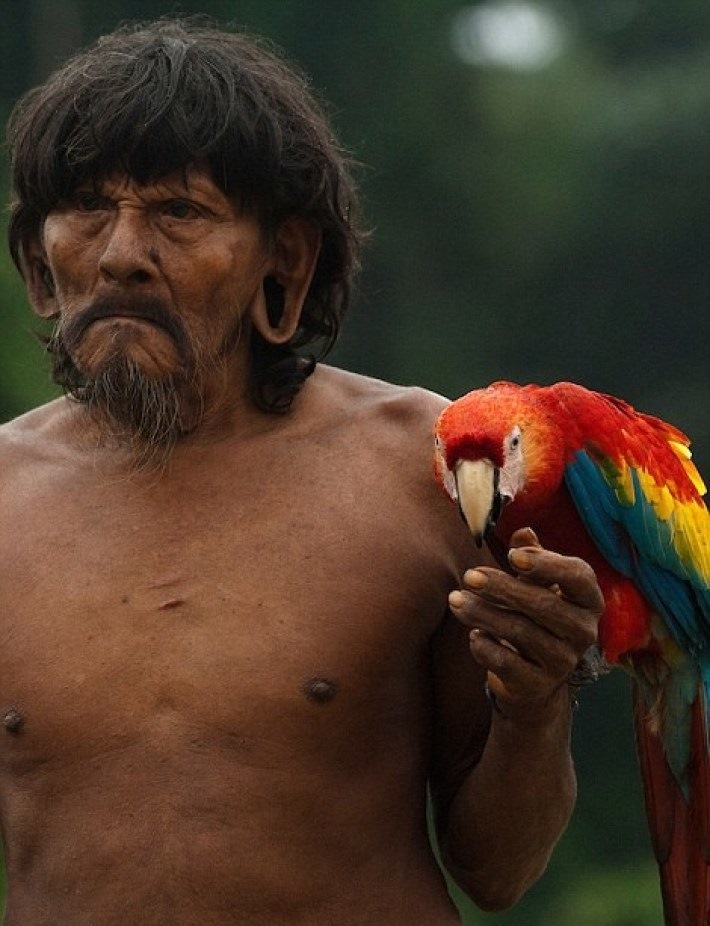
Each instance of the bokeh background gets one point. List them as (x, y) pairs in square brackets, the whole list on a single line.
[(537, 179)]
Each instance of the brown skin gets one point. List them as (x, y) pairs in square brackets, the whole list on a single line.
[(226, 682)]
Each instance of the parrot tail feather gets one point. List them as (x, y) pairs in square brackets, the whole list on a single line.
[(700, 772), (700, 815), (680, 835)]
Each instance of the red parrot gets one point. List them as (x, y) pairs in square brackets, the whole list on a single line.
[(596, 479)]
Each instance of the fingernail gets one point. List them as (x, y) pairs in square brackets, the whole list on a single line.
[(475, 579), (455, 599), (521, 559)]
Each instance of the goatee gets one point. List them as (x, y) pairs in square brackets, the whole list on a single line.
[(143, 412), (148, 414)]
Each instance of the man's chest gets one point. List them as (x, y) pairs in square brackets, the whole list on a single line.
[(224, 618)]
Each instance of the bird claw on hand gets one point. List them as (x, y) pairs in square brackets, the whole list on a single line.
[(590, 668)]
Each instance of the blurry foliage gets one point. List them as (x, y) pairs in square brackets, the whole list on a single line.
[(539, 225), (24, 380)]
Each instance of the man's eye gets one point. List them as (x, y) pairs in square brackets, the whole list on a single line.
[(181, 209), (88, 201)]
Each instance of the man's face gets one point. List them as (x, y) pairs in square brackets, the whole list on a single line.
[(152, 285)]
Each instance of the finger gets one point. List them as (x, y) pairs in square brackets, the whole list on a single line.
[(509, 676), (556, 656), (548, 609), (524, 537), (574, 577)]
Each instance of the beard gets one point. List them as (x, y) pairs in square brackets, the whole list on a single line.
[(147, 413)]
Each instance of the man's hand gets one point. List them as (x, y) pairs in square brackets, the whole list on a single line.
[(529, 630)]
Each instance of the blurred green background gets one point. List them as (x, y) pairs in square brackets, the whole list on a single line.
[(537, 177)]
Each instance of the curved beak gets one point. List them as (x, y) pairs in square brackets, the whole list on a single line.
[(479, 501)]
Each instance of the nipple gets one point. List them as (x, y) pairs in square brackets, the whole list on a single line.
[(13, 720), (319, 689)]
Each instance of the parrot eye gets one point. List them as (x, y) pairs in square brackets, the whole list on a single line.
[(514, 441)]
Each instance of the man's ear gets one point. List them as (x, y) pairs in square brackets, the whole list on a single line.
[(38, 279), (276, 311)]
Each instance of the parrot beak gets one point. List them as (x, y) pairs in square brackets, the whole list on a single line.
[(479, 501)]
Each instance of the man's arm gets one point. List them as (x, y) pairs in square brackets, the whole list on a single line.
[(503, 782)]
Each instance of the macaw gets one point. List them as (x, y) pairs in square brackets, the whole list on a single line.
[(597, 479)]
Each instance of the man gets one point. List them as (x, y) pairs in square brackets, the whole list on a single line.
[(235, 651)]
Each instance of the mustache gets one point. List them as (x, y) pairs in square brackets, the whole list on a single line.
[(152, 310)]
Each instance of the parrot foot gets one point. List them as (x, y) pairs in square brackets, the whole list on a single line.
[(590, 668)]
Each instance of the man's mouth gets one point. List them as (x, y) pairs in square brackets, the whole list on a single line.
[(131, 318), (143, 312)]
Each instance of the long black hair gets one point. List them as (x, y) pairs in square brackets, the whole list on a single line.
[(152, 98)]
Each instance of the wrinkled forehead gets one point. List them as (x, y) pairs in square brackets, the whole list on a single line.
[(193, 183), (189, 178)]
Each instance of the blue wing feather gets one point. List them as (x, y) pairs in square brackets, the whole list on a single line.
[(639, 545), (597, 506)]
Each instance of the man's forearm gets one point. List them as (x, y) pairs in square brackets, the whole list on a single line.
[(513, 806)]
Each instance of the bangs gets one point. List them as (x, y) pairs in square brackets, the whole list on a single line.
[(172, 105)]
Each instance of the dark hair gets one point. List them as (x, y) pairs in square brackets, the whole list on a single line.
[(152, 98)]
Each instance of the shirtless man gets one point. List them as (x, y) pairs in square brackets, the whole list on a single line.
[(235, 645)]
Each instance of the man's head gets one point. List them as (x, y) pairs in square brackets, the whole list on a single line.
[(169, 100)]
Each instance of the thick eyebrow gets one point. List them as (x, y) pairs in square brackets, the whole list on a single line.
[(195, 187)]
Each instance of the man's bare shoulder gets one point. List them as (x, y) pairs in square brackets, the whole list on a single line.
[(383, 434), (35, 433), (354, 399), (38, 419)]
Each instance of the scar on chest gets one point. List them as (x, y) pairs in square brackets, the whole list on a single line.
[(319, 689), (171, 603), (13, 720)]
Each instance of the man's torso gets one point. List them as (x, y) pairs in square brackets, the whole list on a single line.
[(215, 680)]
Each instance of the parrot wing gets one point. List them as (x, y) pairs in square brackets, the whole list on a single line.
[(655, 532), (657, 540), (639, 495)]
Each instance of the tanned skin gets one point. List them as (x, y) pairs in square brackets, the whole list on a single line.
[(227, 676)]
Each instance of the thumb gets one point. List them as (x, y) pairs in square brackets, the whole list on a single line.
[(525, 537)]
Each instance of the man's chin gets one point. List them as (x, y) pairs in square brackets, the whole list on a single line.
[(135, 341), (147, 415), (137, 401)]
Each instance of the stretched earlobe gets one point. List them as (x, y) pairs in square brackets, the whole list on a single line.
[(277, 310), (48, 281), (39, 281), (275, 300)]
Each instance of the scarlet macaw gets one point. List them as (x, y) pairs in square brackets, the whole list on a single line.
[(594, 478)]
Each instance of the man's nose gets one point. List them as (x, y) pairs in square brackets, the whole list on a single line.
[(128, 256)]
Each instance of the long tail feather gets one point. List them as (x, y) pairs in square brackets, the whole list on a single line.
[(680, 830)]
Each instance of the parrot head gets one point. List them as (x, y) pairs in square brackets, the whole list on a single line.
[(497, 446)]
